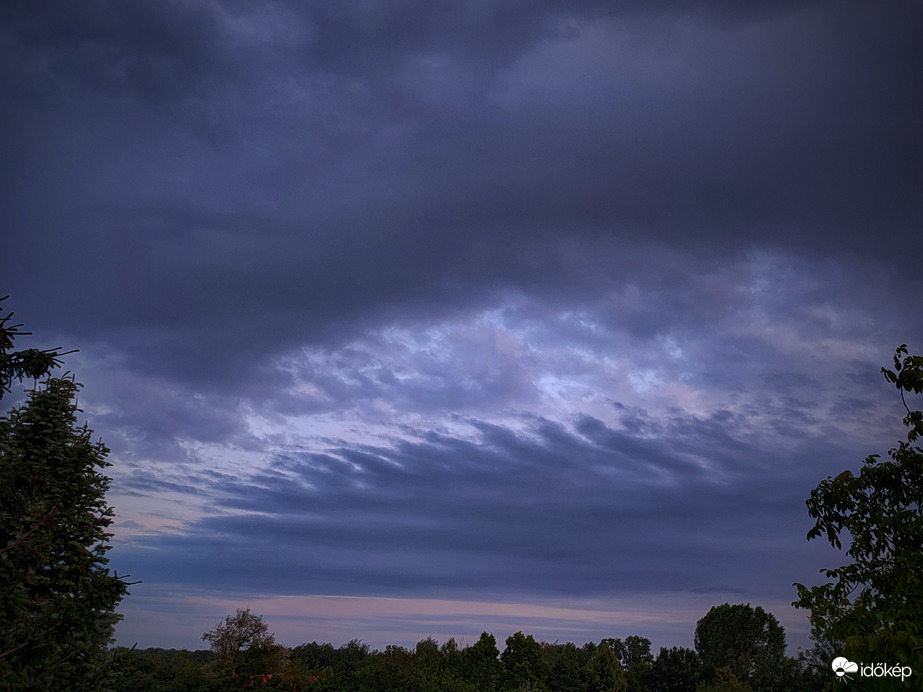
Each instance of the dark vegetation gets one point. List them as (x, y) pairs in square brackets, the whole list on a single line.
[(873, 605), (58, 598), (738, 647)]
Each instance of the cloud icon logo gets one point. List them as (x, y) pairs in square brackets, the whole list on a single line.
[(841, 666)]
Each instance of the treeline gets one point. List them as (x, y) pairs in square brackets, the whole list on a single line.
[(737, 648)]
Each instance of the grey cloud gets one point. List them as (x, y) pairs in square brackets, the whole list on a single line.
[(141, 482), (547, 511), (411, 211), (663, 248)]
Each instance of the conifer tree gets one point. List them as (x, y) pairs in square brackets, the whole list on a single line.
[(57, 597)]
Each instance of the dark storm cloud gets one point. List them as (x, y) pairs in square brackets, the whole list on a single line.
[(296, 172), (471, 297)]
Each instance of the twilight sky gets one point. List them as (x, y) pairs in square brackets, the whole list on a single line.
[(423, 318)]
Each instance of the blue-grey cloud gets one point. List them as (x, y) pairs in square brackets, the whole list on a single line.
[(471, 298), (582, 509), (300, 207)]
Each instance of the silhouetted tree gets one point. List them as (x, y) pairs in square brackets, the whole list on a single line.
[(28, 363), (523, 664), (481, 663), (57, 598), (875, 603), (604, 672), (634, 655), (675, 670), (243, 645), (748, 641), (391, 669), (567, 666), (161, 670), (723, 680)]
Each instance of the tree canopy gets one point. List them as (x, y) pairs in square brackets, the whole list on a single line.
[(874, 603), (747, 641), (243, 644), (524, 664), (611, 664)]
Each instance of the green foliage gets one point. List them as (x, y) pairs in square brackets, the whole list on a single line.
[(748, 641), (452, 668), (604, 672), (875, 602), (816, 661), (244, 646), (323, 667), (481, 663), (57, 598), (315, 655), (29, 363), (723, 680), (567, 665), (161, 670), (438, 669), (675, 670), (635, 657), (523, 663), (391, 670)]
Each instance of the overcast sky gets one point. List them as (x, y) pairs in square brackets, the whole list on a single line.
[(425, 318)]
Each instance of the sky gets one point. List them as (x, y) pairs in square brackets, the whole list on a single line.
[(408, 319)]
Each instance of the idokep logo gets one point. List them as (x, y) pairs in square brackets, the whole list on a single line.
[(843, 667)]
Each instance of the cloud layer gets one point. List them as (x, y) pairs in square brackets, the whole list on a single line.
[(502, 303)]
